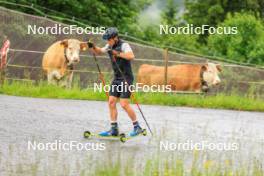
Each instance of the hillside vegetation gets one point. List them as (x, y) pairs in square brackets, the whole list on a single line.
[(141, 19)]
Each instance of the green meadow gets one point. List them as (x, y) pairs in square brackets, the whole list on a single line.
[(218, 101)]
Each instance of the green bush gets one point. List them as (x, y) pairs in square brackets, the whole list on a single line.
[(245, 46)]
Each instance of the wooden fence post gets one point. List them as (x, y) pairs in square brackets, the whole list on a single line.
[(2, 76), (166, 66)]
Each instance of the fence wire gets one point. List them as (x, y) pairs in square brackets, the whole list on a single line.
[(26, 54)]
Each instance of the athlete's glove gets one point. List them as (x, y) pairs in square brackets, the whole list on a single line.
[(114, 52), (90, 44)]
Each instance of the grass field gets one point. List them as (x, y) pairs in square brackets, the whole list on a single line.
[(159, 164), (219, 101)]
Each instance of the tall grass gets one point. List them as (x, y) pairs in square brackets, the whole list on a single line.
[(157, 164), (219, 101), (177, 168)]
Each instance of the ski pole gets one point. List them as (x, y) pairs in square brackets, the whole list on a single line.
[(132, 96), (100, 73)]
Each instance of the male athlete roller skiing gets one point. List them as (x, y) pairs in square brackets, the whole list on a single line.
[(120, 54)]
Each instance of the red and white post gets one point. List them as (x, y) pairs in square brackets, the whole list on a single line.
[(3, 60)]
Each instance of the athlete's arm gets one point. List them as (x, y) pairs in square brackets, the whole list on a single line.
[(127, 52), (97, 50), (127, 55)]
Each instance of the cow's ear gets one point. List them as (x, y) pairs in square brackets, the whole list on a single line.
[(64, 43), (83, 46), (218, 67)]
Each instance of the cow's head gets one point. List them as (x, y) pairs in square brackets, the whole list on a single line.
[(210, 73), (72, 50)]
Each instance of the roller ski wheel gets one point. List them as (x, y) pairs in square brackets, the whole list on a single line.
[(123, 138), (87, 134), (144, 132)]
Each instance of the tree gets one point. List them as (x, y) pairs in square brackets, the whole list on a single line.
[(212, 12), (246, 46), (119, 13), (169, 13)]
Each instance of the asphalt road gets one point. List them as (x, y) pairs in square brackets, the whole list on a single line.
[(24, 120)]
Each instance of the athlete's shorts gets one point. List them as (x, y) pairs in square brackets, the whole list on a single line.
[(120, 89)]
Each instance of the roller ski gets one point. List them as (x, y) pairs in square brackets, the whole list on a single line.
[(113, 133), (88, 134), (122, 137), (133, 134)]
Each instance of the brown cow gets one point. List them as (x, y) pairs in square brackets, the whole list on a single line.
[(186, 77), (59, 59)]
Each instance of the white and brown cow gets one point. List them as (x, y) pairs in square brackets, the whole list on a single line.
[(185, 77), (59, 59)]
